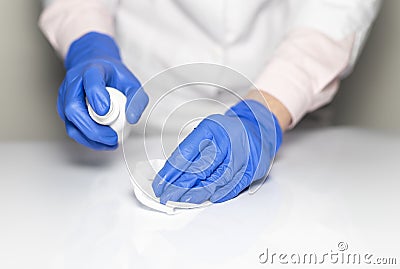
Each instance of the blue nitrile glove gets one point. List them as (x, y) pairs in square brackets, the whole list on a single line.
[(93, 62), (221, 157)]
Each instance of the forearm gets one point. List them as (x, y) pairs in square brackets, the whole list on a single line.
[(305, 71), (64, 21)]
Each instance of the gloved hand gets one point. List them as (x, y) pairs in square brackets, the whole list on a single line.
[(93, 62), (221, 157)]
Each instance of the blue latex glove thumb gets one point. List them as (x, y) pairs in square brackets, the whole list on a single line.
[(93, 62)]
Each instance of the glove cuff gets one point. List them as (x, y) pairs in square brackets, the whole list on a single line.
[(259, 114), (278, 133), (89, 46)]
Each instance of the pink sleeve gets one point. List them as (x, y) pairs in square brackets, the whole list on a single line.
[(64, 21), (304, 73)]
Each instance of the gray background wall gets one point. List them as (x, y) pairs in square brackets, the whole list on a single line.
[(31, 73)]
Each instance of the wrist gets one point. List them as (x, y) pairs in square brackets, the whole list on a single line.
[(91, 46), (259, 115), (280, 112), (278, 133)]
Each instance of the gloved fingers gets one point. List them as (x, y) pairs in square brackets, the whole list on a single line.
[(196, 186), (121, 78), (209, 158), (78, 136), (182, 185), (180, 159), (137, 100), (75, 110), (235, 192), (203, 190), (174, 191), (198, 194), (238, 183), (211, 167), (173, 195), (95, 89), (78, 115)]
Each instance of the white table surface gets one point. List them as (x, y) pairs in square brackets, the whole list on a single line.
[(62, 206)]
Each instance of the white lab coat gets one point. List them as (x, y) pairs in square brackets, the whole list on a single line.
[(244, 35)]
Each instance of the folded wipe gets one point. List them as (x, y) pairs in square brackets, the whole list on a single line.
[(143, 176)]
